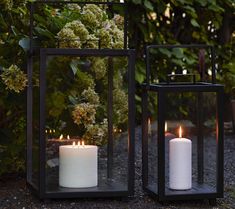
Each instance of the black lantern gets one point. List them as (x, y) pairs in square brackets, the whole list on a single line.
[(182, 130), (80, 120)]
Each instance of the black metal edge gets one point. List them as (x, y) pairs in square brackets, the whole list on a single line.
[(213, 76), (178, 46), (33, 188), (29, 117), (198, 196), (183, 88), (75, 2), (29, 135), (42, 145), (125, 25), (220, 143), (131, 121), (110, 119), (151, 193), (86, 52), (144, 105), (161, 143), (200, 138), (100, 194)]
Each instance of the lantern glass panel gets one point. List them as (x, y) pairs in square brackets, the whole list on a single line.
[(80, 107), (152, 141), (33, 134), (195, 113)]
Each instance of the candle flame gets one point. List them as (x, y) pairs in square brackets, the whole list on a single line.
[(166, 127), (83, 143), (149, 122), (120, 130), (74, 144), (61, 136), (180, 132), (68, 137), (50, 131), (53, 130), (46, 131)]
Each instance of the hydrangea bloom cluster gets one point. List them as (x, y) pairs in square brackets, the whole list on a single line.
[(97, 132), (92, 27), (119, 21), (14, 78), (72, 34), (91, 96), (84, 113), (99, 67), (74, 7), (92, 16), (120, 102), (6, 4)]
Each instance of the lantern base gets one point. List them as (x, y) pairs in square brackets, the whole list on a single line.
[(198, 191), (104, 188)]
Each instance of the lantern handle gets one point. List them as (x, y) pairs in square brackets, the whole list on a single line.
[(199, 46), (169, 76)]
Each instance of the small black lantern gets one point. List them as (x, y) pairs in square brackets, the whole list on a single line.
[(80, 129), (182, 134)]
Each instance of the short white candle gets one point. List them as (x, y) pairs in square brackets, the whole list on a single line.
[(180, 163), (78, 166)]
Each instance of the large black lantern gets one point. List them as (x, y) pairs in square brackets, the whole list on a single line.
[(80, 119), (182, 128)]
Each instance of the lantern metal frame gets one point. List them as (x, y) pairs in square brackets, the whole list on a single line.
[(201, 190), (44, 53)]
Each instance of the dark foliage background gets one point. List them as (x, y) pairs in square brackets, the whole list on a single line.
[(150, 22)]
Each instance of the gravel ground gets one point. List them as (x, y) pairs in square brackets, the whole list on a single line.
[(15, 194)]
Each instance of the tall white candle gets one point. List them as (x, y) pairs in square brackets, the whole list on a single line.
[(180, 163), (78, 166)]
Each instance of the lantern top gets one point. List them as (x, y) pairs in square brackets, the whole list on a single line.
[(201, 63)]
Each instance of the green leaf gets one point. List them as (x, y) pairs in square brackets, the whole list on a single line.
[(44, 32), (40, 19), (178, 52), (148, 5), (139, 77), (3, 23), (202, 2), (165, 51), (24, 43), (14, 30), (72, 100), (215, 8), (195, 23), (190, 60), (177, 62), (137, 1), (74, 66), (137, 98)]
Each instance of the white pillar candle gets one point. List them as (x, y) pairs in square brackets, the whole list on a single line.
[(78, 166), (180, 163)]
